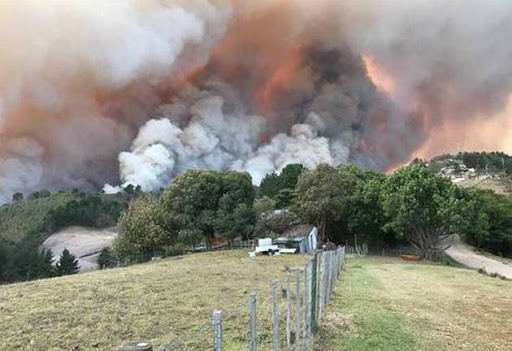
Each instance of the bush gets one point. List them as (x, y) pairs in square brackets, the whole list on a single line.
[(141, 231), (106, 259), (17, 197), (491, 227), (174, 250)]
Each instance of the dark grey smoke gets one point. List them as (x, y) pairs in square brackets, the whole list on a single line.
[(136, 92)]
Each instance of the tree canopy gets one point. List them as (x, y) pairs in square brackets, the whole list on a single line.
[(281, 187), (490, 224), (199, 206), (320, 196), (423, 207), (142, 230)]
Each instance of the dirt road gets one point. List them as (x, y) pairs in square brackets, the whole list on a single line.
[(467, 256), (84, 243)]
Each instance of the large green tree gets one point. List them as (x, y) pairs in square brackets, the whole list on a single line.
[(203, 204), (235, 215), (422, 207), (27, 262), (142, 230), (190, 205), (320, 196), (281, 187), (364, 213)]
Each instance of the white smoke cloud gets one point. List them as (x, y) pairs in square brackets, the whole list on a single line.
[(80, 78), (217, 140), (301, 146), (210, 139)]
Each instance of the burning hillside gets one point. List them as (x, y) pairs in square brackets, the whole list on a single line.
[(138, 91)]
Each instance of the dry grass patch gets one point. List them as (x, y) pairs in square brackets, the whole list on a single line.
[(160, 301)]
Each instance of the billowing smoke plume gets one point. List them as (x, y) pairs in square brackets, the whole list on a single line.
[(138, 91)]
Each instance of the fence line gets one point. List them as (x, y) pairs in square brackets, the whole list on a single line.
[(303, 307), (361, 250)]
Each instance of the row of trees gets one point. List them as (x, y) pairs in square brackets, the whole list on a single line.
[(346, 203), (411, 204), (491, 162), (27, 264), (26, 223), (199, 206), (491, 228)]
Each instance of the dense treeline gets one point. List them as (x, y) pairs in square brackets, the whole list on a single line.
[(346, 203), (491, 228), (198, 207), (491, 162), (25, 224)]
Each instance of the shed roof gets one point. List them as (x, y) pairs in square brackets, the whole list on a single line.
[(300, 230)]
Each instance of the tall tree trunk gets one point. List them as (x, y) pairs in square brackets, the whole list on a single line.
[(323, 229)]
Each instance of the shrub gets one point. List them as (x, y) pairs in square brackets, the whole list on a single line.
[(106, 259), (67, 264)]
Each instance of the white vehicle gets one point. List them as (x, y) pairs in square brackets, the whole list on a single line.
[(265, 246)]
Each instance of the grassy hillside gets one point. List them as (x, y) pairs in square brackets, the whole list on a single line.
[(160, 301), (17, 219), (38, 217), (386, 304), (500, 186)]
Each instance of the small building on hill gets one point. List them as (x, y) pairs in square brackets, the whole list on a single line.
[(303, 237)]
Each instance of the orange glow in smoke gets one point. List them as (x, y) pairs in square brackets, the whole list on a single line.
[(488, 133), (378, 75), (279, 81), (483, 134)]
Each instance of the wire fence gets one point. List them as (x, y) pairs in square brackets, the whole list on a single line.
[(284, 318), (361, 250), (435, 255)]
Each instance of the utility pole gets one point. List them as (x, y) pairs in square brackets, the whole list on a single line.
[(503, 163)]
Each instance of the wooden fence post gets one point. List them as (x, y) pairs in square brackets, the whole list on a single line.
[(313, 292), (217, 330), (297, 303), (275, 314), (320, 287), (329, 280), (306, 304), (326, 282), (254, 333), (288, 315)]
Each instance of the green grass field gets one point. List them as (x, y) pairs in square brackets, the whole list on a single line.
[(386, 304), (161, 301), (379, 304)]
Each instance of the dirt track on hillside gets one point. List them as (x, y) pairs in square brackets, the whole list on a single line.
[(84, 243), (467, 256)]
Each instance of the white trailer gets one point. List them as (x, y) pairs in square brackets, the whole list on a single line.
[(265, 246)]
